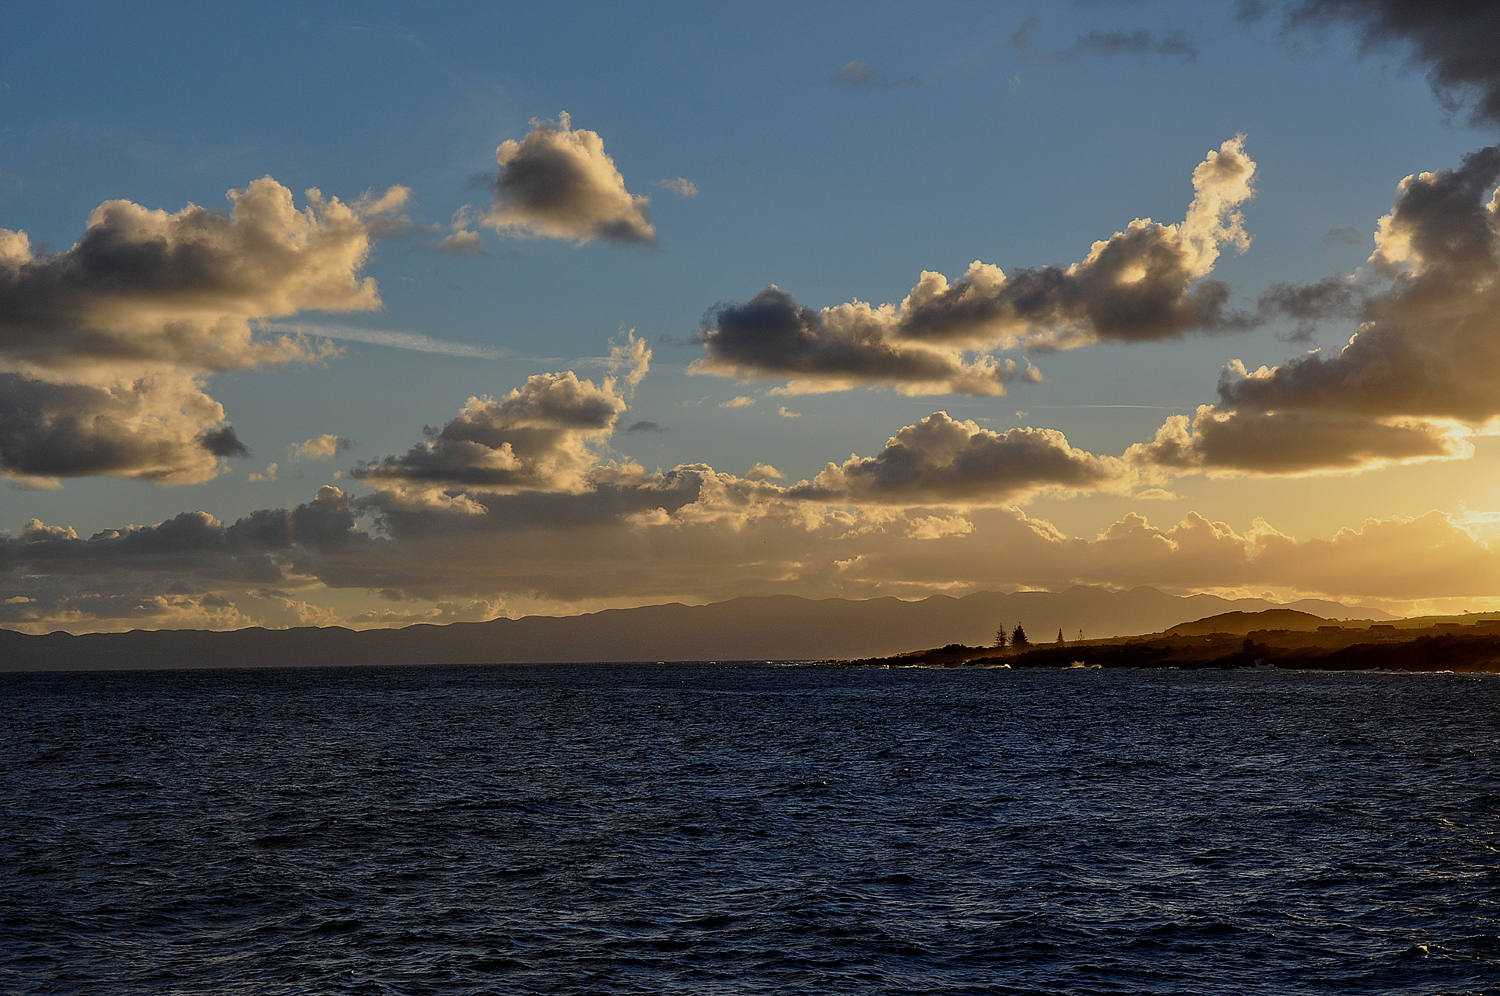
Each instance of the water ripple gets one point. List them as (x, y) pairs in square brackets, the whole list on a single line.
[(724, 829)]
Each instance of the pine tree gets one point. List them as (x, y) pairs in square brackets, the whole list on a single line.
[(1018, 637), (1000, 638), (1059, 635)]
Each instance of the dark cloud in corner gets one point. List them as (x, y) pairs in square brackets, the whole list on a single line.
[(1457, 40)]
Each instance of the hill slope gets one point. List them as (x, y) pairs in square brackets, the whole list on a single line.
[(778, 627)]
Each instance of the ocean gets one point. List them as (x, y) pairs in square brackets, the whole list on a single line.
[(748, 828)]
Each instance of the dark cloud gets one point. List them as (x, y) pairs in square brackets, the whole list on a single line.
[(942, 461), (104, 346), (559, 183), (1309, 304), (1428, 343), (1457, 40), (144, 285), (1291, 443), (643, 425), (162, 429), (1414, 381), (222, 442), (1146, 283), (772, 335), (858, 76)]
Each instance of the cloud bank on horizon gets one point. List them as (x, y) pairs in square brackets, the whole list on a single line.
[(107, 349)]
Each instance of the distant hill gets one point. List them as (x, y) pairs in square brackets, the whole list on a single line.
[(1242, 623), (776, 627)]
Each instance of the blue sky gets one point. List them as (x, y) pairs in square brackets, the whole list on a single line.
[(1011, 133)]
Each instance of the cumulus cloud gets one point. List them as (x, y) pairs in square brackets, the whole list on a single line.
[(559, 183), (541, 436), (463, 241), (1284, 443), (160, 427), (104, 347), (764, 472), (323, 447), (1456, 41), (1416, 379), (943, 461), (1146, 283), (835, 349), (1429, 341)]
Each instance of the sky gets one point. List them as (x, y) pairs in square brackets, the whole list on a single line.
[(368, 315)]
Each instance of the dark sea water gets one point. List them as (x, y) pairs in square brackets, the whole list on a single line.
[(739, 829)]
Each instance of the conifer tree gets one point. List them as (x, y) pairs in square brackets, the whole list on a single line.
[(1018, 637), (1000, 638)]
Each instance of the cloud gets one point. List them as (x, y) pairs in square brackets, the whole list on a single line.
[(835, 349), (1175, 44), (160, 428), (858, 76), (1428, 343), (739, 402), (1146, 283), (144, 285), (764, 472), (393, 339), (104, 347), (461, 243), (1342, 236), (1456, 41), (559, 183), (268, 475), (785, 413), (323, 447), (541, 436), (943, 461), (643, 425), (681, 185), (693, 532), (1284, 443), (1414, 382)]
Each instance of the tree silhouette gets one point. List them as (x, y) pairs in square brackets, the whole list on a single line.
[(1000, 638), (1059, 635), (1018, 637)]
